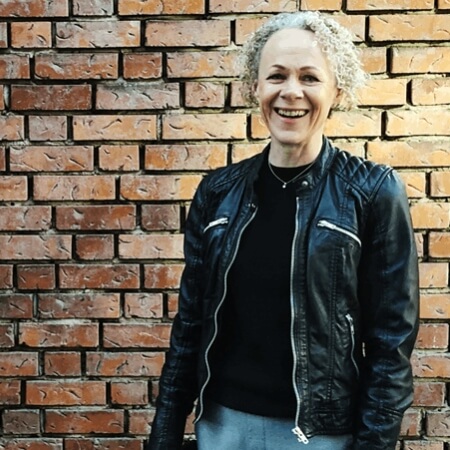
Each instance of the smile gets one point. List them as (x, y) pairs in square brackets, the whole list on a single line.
[(291, 113)]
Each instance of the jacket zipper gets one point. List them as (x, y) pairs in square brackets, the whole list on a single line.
[(349, 319), (216, 312), (214, 223), (331, 226), (301, 437)]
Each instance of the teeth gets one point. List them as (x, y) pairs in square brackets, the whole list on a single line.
[(291, 113)]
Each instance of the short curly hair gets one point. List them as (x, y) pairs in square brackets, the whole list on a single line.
[(335, 41)]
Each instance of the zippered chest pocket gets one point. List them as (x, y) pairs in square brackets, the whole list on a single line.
[(216, 223), (324, 223)]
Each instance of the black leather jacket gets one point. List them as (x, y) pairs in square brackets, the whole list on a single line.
[(354, 298)]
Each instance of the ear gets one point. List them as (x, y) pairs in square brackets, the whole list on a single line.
[(338, 98)]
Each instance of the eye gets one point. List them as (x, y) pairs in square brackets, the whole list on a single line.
[(276, 76), (310, 78)]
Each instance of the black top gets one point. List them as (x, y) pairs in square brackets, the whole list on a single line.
[(251, 360)]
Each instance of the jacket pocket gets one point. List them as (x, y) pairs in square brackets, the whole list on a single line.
[(323, 223), (351, 327), (215, 223)]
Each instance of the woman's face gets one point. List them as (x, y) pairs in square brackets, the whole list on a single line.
[(295, 88)]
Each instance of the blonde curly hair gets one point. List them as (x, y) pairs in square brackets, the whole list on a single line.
[(335, 41)]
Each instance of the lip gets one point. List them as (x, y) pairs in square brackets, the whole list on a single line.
[(303, 112)]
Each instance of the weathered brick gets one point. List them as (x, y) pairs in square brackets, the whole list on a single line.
[(204, 126), (172, 305), (431, 365), (143, 305), (420, 59), (129, 364), (2, 157), (45, 247), (408, 27), (415, 184), (419, 240), (383, 92), (129, 393), (429, 394), (418, 122), (19, 364), (243, 151), (437, 423), (162, 276), (89, 35), (10, 392), (135, 335), (160, 217), (62, 364), (6, 276), (219, 63), (98, 443), (251, 6), (3, 35), (435, 91), (33, 8), (150, 246), (99, 276), (80, 306), (47, 128), (11, 127), (16, 306), (25, 421), (122, 158), (204, 94), (93, 8), (51, 98), (2, 103), (98, 217), (374, 59), (14, 66), (411, 423), (66, 393), (433, 275), (187, 33), (21, 218), (46, 334), (423, 445), (94, 247), (6, 341), (73, 66), (430, 215), (36, 277), (353, 123), (158, 187), (362, 5), (439, 245), (114, 127), (142, 66), (47, 158), (106, 421), (31, 444), (312, 5), (139, 7), (185, 157), (134, 96), (435, 306), (440, 184), (80, 187), (432, 336), (31, 34), (13, 188), (444, 4), (140, 421)]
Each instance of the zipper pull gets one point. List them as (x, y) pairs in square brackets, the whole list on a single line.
[(300, 435)]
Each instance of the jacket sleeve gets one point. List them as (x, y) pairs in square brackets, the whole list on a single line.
[(178, 382), (389, 298)]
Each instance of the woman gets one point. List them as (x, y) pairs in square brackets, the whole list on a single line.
[(298, 304)]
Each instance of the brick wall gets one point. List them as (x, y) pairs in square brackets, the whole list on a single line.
[(111, 113)]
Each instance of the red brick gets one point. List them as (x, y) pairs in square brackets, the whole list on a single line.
[(353, 123), (10, 392), (16, 306), (251, 6), (66, 393), (374, 59), (444, 4), (25, 218), (114, 127), (33, 8), (142, 66), (102, 444), (312, 5), (2, 156), (138, 96), (31, 444), (46, 334), (21, 422), (420, 59), (430, 215), (135, 335), (439, 245), (123, 158), (73, 66), (151, 246), (140, 421), (6, 276), (32, 247), (435, 306), (204, 126), (51, 98), (158, 187), (433, 336), (143, 305), (361, 5), (47, 128), (11, 127), (105, 421), (100, 246), (13, 188), (14, 66), (245, 26), (434, 91), (31, 34), (128, 364), (243, 151), (19, 364), (6, 340), (160, 217), (48, 158), (36, 277), (431, 365), (408, 27), (89, 35), (204, 94), (440, 184), (383, 92), (138, 7), (172, 305), (202, 64), (438, 423), (433, 275), (2, 107), (93, 8), (3, 35), (96, 217), (79, 306), (423, 445), (187, 33), (99, 276), (73, 188), (62, 364), (159, 276), (415, 183), (129, 393), (411, 423), (429, 394)]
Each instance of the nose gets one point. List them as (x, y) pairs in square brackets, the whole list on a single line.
[(292, 89)]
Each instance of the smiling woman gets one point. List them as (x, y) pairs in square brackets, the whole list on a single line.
[(298, 306)]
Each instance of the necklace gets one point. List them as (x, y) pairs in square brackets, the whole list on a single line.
[(285, 183)]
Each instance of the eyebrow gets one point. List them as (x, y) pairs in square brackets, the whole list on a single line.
[(280, 66)]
